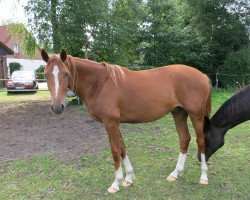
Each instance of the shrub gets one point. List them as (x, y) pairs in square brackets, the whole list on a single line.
[(235, 71), (14, 66), (140, 67), (40, 72)]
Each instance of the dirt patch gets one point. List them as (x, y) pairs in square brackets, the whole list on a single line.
[(31, 128)]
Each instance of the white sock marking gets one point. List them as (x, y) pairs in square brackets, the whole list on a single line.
[(118, 179), (129, 170), (179, 166), (203, 168), (55, 73)]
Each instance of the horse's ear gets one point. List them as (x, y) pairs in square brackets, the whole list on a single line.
[(63, 55), (44, 55)]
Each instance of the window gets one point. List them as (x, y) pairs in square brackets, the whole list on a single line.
[(16, 48)]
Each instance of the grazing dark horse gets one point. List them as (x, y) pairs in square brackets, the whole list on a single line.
[(234, 111), (115, 95)]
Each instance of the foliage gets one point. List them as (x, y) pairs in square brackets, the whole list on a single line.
[(115, 39), (235, 71), (138, 32), (87, 17), (14, 66), (139, 67), (25, 38), (43, 22), (40, 72), (224, 30)]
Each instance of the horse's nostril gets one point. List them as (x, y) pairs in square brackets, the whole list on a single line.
[(58, 108)]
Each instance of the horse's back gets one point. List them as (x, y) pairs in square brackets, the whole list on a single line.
[(178, 79), (150, 94)]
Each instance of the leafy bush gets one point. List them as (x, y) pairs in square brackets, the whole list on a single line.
[(40, 72), (140, 67), (235, 72), (14, 66)]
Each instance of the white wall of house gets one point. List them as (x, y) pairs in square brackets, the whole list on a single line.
[(26, 63)]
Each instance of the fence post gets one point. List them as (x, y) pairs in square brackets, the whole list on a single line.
[(217, 80)]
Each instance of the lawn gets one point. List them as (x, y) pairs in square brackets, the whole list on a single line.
[(23, 96), (153, 150)]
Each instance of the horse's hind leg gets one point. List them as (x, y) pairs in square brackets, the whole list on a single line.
[(200, 139), (180, 118), (128, 167)]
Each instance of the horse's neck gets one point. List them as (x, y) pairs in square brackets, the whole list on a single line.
[(232, 121), (84, 75), (233, 113)]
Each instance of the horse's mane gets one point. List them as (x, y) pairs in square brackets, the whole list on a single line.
[(233, 110), (73, 72), (113, 71)]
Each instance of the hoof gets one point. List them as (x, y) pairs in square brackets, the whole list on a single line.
[(126, 183), (203, 182), (112, 190), (171, 178)]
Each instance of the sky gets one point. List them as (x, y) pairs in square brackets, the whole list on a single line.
[(12, 10)]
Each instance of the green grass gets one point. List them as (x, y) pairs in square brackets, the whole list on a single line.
[(23, 96), (153, 150)]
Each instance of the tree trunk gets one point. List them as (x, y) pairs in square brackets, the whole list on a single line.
[(55, 27)]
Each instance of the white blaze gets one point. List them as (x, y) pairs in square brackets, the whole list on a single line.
[(55, 73)]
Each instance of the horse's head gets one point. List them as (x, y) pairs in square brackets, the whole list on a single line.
[(57, 75), (214, 138)]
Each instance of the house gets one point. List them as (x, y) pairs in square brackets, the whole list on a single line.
[(11, 51), (4, 51)]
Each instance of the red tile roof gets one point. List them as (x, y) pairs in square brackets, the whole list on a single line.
[(10, 51)]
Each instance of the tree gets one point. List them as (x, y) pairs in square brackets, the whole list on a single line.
[(168, 38), (105, 30), (25, 39), (115, 38), (200, 33), (79, 23), (236, 69), (222, 24), (43, 22), (194, 32)]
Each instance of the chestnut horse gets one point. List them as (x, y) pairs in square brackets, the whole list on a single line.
[(114, 95)]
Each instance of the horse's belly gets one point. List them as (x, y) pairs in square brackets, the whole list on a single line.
[(145, 113)]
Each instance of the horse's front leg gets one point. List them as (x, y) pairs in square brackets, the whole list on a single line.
[(127, 164), (115, 145)]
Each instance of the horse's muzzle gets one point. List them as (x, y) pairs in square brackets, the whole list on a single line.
[(57, 109)]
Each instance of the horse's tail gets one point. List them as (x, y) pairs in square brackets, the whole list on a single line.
[(208, 105), (206, 123)]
